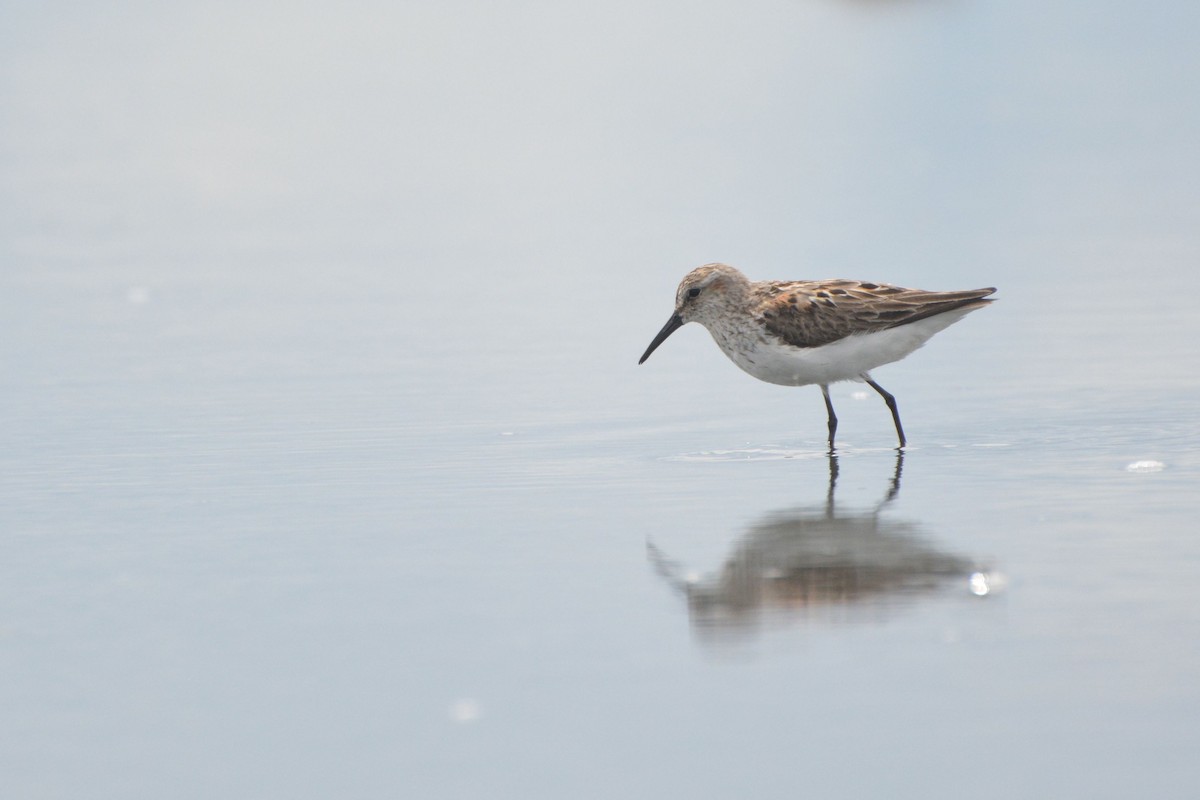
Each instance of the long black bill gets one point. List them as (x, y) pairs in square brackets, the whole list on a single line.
[(673, 324)]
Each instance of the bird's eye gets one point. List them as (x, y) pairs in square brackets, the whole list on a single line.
[(694, 291)]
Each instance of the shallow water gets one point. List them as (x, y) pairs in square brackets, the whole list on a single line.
[(328, 468)]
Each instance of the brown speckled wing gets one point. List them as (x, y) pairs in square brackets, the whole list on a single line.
[(814, 313)]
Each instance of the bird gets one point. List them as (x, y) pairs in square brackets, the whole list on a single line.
[(799, 333)]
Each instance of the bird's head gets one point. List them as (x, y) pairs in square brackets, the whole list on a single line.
[(703, 294)]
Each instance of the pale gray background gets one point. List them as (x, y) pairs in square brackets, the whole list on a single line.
[(328, 470)]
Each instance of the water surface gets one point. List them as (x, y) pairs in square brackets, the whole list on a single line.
[(328, 468)]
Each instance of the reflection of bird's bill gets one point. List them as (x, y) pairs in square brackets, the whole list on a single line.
[(673, 324)]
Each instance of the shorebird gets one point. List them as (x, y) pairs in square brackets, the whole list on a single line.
[(797, 333)]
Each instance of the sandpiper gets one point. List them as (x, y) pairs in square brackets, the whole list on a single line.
[(796, 333)]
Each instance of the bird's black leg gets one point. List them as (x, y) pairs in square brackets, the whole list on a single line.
[(832, 416), (891, 404)]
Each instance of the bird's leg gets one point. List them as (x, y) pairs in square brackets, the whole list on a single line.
[(832, 416), (891, 404)]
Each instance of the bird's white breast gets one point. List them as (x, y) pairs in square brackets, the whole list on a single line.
[(846, 359)]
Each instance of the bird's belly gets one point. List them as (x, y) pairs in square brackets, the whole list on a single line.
[(843, 360)]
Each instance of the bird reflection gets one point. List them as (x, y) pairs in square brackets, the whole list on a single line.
[(820, 563)]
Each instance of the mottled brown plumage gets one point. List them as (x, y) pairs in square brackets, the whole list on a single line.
[(815, 313)]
